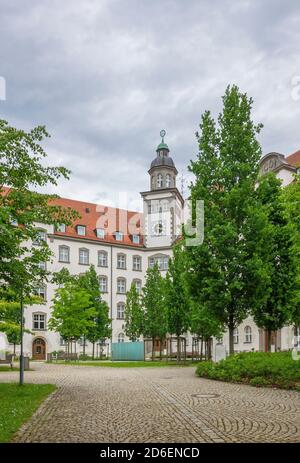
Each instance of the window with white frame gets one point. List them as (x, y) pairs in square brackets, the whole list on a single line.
[(159, 181), (102, 258), (40, 237), (121, 311), (219, 340), (121, 261), (39, 321), (119, 236), (161, 261), (100, 233), (61, 228), (40, 291), (81, 230), (42, 265), (248, 334), (103, 284), (64, 254), (168, 181), (138, 285), (137, 263), (136, 239), (121, 285), (121, 337), (84, 256), (62, 341), (236, 336)]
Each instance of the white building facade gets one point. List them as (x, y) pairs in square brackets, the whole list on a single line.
[(122, 245)]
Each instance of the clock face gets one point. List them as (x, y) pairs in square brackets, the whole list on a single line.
[(158, 229)]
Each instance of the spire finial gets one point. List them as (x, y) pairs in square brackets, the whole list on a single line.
[(162, 133)]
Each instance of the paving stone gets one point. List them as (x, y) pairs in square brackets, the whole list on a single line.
[(94, 404)]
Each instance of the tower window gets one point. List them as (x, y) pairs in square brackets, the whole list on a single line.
[(159, 181), (168, 181)]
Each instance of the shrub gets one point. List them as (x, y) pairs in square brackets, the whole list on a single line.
[(255, 368)]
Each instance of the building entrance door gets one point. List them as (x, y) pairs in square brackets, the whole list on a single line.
[(39, 349)]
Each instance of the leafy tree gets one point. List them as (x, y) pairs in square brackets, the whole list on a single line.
[(290, 198), (205, 326), (133, 314), (21, 169), (279, 281), (153, 303), (225, 271), (177, 301), (101, 326), (73, 312)]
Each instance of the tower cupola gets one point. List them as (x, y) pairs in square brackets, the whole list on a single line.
[(162, 170)]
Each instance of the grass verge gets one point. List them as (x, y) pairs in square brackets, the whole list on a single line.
[(117, 364), (268, 369), (17, 404)]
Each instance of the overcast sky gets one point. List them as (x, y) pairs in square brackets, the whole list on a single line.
[(105, 76)]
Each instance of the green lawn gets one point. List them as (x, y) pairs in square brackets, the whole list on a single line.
[(17, 404), (135, 364), (268, 369)]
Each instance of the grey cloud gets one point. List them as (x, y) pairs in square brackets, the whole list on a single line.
[(105, 76)]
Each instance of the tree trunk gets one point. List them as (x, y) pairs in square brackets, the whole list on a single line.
[(14, 349), (83, 351), (178, 349), (153, 339), (231, 339), (160, 349), (201, 350), (93, 354), (269, 337)]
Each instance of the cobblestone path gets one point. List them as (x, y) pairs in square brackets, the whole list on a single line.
[(94, 404)]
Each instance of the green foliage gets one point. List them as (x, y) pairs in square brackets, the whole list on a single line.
[(133, 314), (21, 169), (18, 403), (256, 368), (72, 312), (278, 281), (153, 303), (225, 272)]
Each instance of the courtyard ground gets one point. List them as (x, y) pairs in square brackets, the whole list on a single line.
[(94, 404)]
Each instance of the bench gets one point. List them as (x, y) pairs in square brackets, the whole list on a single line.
[(62, 356), (7, 361)]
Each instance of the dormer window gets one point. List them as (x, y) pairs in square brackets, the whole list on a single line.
[(119, 236), (136, 239), (61, 228), (159, 181), (100, 233), (81, 230)]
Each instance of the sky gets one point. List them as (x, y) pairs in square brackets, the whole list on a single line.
[(105, 76)]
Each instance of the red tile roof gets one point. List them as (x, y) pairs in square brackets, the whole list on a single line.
[(94, 216), (97, 216), (294, 159)]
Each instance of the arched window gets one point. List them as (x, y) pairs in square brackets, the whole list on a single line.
[(248, 334), (236, 336), (84, 256), (138, 285), (161, 260), (159, 181), (168, 181), (121, 261), (103, 284), (102, 258), (41, 291), (121, 285), (40, 237), (121, 310), (64, 254), (121, 337), (137, 263)]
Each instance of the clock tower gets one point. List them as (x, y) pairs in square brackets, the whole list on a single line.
[(163, 203)]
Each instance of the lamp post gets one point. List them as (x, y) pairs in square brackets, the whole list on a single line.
[(21, 353)]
